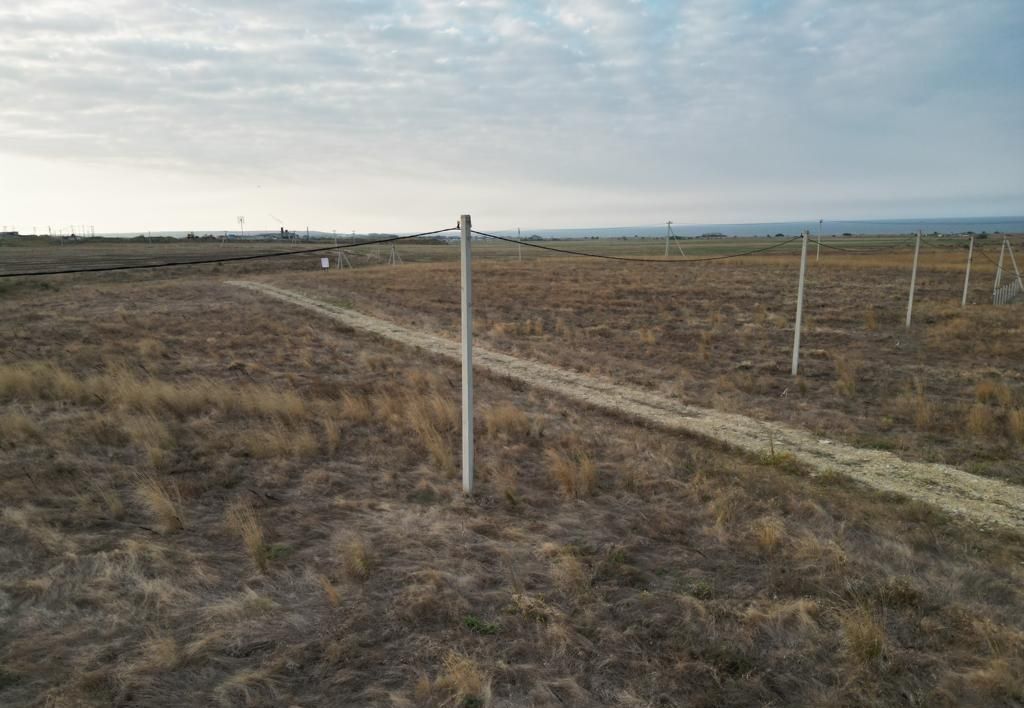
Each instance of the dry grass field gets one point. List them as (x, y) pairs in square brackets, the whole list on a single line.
[(210, 498), (951, 389)]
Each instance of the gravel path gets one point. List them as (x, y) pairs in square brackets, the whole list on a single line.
[(984, 501)]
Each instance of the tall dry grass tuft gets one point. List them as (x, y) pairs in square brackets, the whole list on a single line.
[(1015, 424), (980, 420), (109, 498), (864, 637), (846, 375), (768, 533), (915, 405), (433, 418), (355, 409), (243, 520), (163, 501), (150, 348), (870, 319), (506, 420), (574, 471), (276, 441), (40, 381), (648, 336), (332, 434), (330, 592), (464, 682), (355, 557), (152, 436), (17, 428), (570, 575), (994, 392)]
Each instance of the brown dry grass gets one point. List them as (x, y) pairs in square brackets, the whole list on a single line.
[(162, 500), (506, 420), (243, 520), (726, 333), (573, 470), (680, 572)]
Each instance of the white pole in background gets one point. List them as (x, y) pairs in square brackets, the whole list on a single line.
[(999, 271), (519, 237), (913, 279), (466, 224), (800, 304), (1013, 260), (967, 275), (817, 256)]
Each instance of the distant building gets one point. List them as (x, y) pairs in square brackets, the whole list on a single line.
[(9, 234)]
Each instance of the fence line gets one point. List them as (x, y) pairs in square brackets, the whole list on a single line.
[(227, 259)]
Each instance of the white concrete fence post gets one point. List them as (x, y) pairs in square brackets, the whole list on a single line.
[(466, 225), (967, 275), (1013, 260), (800, 303), (913, 279), (999, 271)]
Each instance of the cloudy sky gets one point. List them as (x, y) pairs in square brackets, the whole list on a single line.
[(387, 115)]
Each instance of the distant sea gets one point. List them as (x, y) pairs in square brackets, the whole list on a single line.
[(1003, 224), (995, 224)]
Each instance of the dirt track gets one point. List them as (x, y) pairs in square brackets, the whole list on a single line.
[(981, 500)]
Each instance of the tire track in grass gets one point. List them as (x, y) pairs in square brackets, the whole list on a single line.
[(981, 500)]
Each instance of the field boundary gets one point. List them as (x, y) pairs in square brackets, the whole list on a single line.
[(983, 501)]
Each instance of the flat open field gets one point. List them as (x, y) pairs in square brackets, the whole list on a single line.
[(211, 497), (720, 333)]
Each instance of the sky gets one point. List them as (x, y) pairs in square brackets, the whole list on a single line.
[(379, 115)]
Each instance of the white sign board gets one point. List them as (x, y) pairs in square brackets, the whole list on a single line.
[(325, 263)]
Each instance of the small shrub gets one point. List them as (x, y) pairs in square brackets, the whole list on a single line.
[(477, 625), (700, 589)]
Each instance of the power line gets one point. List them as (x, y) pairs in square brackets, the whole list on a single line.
[(992, 261), (229, 259), (632, 259)]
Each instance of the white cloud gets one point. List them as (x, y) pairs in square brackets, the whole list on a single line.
[(578, 110)]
